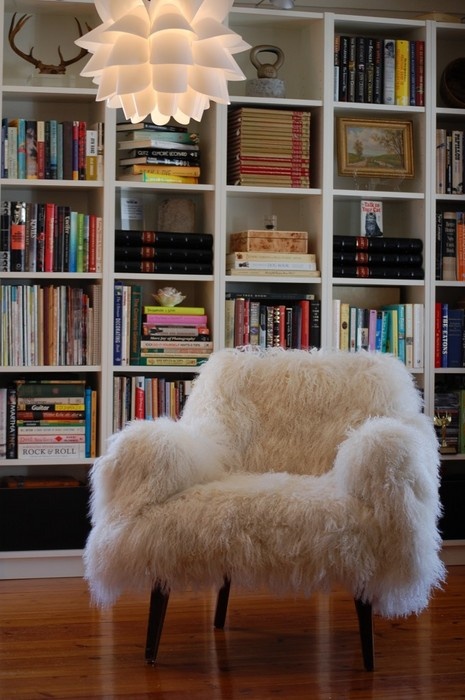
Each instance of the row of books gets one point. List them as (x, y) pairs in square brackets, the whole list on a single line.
[(49, 325), (49, 237), (378, 257), (266, 320), (268, 147), (157, 335), (450, 163), (449, 335), (51, 149), (152, 153), (146, 398), (450, 245), (397, 329), (380, 71), (48, 419), (164, 252)]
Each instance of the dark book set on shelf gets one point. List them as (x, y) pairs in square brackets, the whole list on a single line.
[(157, 335), (151, 153), (379, 258), (269, 147), (164, 252), (147, 398), (49, 237), (48, 419), (51, 149), (449, 334), (450, 163), (272, 319), (450, 245), (379, 70)]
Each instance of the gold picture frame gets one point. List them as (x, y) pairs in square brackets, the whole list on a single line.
[(375, 148)]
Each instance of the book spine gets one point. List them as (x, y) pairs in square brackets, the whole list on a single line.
[(11, 409), (402, 73), (389, 72), (18, 236), (117, 323)]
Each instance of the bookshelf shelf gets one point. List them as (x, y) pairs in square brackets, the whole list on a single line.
[(330, 206)]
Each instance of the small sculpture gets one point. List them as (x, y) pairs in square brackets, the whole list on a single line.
[(267, 83), (168, 296), (43, 68)]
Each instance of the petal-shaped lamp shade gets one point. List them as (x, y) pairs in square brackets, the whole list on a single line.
[(163, 58)]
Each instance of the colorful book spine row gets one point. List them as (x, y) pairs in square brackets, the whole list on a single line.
[(450, 246), (397, 329), (147, 398), (60, 422), (49, 325), (449, 161), (285, 323), (379, 71), (449, 338), (49, 237), (51, 150)]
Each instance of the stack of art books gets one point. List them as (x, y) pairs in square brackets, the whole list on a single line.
[(152, 153), (268, 147)]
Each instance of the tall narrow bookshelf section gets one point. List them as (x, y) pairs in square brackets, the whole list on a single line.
[(268, 231)]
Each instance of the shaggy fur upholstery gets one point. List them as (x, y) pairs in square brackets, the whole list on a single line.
[(288, 469)]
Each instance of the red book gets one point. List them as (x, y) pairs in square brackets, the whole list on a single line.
[(305, 324), (50, 214), (139, 402), (82, 128), (420, 73)]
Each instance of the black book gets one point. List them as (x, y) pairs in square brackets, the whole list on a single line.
[(186, 255), (175, 268), (165, 154), (149, 126), (163, 239), (377, 272), (369, 258), (388, 244)]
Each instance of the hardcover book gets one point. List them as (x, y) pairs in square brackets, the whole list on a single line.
[(371, 218)]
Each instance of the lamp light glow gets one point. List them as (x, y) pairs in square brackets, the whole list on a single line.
[(165, 58)]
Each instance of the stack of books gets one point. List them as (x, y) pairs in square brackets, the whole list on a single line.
[(152, 153), (378, 258), (50, 419), (174, 335), (270, 253), (268, 147), (164, 252)]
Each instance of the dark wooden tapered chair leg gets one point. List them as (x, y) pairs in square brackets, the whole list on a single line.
[(158, 604), (365, 623), (222, 604)]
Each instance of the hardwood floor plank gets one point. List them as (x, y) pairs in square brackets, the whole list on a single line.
[(54, 645)]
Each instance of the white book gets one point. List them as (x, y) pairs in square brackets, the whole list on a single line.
[(457, 161), (44, 451), (336, 339), (389, 77)]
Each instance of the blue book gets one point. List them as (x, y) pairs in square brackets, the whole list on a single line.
[(53, 149), (455, 338), (444, 335), (73, 241)]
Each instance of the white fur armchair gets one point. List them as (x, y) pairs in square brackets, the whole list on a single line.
[(287, 469)]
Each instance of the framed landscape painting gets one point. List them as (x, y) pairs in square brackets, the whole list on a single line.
[(375, 148)]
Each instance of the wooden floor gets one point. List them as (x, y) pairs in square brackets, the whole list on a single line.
[(53, 645)]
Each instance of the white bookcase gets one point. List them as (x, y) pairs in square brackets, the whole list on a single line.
[(330, 206)]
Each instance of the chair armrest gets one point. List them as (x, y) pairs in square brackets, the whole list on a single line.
[(391, 468), (160, 458)]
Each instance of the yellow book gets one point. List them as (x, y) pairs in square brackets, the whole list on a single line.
[(344, 326), (402, 73)]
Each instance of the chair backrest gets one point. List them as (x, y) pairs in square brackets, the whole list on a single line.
[(289, 410)]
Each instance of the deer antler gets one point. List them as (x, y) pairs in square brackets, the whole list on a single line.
[(45, 68)]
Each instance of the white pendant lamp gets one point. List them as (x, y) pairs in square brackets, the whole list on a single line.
[(163, 58)]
